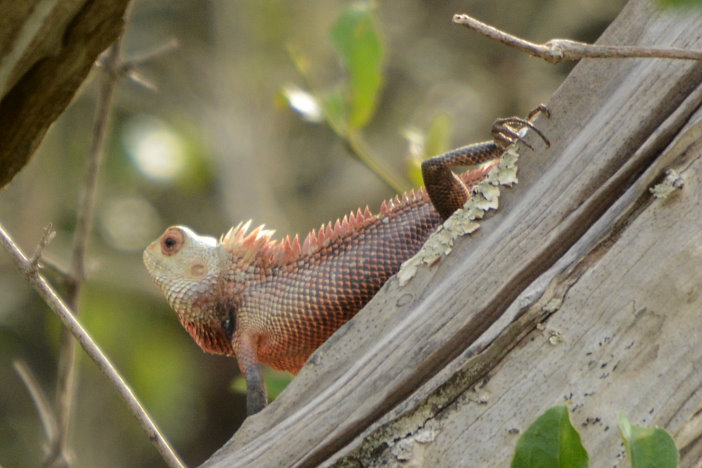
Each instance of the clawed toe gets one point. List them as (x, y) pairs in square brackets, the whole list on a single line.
[(506, 131)]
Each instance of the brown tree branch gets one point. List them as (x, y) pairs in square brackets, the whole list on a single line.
[(557, 50), (65, 314), (66, 383)]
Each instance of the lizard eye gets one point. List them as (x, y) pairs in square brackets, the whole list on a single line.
[(172, 241)]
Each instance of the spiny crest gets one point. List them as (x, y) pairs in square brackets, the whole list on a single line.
[(316, 240), (354, 221), (258, 245), (247, 246), (388, 207)]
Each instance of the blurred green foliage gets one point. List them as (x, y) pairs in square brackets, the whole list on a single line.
[(244, 157), (276, 381), (425, 144), (680, 3), (349, 107), (357, 39)]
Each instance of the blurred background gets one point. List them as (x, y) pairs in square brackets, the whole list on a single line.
[(235, 132)]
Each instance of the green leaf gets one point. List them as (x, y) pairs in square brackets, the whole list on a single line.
[(356, 38), (336, 112), (647, 447), (551, 441)]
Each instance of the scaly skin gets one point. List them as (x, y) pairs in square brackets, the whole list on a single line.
[(275, 302)]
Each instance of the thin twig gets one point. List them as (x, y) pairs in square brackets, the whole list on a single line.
[(557, 50), (67, 373), (87, 205), (359, 149), (48, 236), (168, 46), (41, 401), (130, 68), (57, 267), (139, 78), (69, 321)]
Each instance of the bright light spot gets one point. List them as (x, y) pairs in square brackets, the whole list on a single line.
[(303, 103), (129, 223), (415, 142), (155, 148)]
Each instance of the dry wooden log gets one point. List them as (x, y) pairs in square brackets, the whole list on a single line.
[(612, 326), (47, 48), (584, 287)]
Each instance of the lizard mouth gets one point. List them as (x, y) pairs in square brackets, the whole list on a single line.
[(150, 257), (155, 265)]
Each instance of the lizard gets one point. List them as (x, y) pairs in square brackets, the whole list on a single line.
[(274, 302)]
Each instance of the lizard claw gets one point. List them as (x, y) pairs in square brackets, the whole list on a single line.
[(506, 131), (540, 109)]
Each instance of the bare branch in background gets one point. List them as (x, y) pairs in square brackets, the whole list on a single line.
[(129, 68), (48, 236), (69, 321), (114, 69), (41, 401), (67, 368), (557, 50)]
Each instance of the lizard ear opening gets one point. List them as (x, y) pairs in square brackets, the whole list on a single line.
[(172, 241)]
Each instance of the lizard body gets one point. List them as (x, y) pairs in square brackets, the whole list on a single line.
[(275, 302)]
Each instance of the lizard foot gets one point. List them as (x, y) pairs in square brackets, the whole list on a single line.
[(506, 131)]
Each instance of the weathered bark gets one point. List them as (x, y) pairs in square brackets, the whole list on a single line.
[(441, 371), (47, 48)]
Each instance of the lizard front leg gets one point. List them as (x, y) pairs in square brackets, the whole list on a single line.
[(247, 357), (446, 190)]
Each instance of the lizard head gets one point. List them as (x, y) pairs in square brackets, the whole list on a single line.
[(186, 266), (188, 269)]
